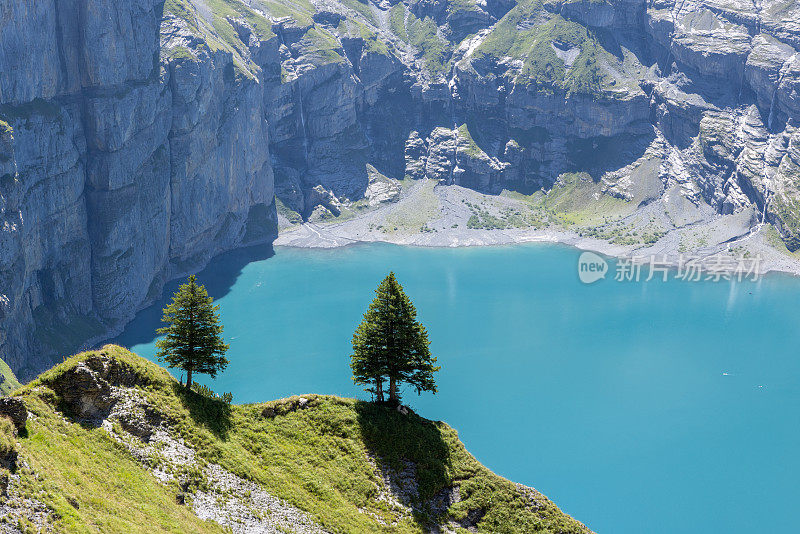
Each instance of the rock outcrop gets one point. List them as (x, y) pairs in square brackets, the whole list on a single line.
[(510, 96), (14, 409), (139, 139)]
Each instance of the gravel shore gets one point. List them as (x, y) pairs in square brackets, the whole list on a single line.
[(432, 215)]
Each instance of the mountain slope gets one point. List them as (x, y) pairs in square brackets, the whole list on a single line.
[(138, 139), (114, 444), (8, 382)]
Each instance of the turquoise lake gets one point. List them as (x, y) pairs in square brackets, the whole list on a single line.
[(656, 407)]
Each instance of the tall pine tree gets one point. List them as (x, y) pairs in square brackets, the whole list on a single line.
[(193, 339), (390, 345)]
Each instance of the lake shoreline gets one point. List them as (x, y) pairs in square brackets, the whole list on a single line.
[(430, 215), (314, 236)]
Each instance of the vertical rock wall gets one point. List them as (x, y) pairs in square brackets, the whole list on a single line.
[(120, 168)]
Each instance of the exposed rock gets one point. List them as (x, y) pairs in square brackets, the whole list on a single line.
[(90, 389), (764, 66), (16, 507), (111, 153), (319, 196), (712, 46), (15, 410), (291, 404), (415, 153), (381, 189), (398, 488), (239, 505), (590, 13)]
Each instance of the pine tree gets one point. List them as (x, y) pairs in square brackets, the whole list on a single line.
[(390, 345), (193, 339)]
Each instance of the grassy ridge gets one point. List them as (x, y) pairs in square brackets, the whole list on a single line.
[(91, 484), (8, 382), (529, 33), (88, 481), (323, 459), (423, 35)]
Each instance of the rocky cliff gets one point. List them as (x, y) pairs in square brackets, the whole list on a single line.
[(121, 165), (140, 139)]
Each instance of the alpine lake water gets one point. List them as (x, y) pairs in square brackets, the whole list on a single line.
[(656, 407)]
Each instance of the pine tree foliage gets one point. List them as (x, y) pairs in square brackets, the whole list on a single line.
[(193, 339), (390, 345)]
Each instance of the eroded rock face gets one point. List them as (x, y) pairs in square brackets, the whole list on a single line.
[(540, 89), (91, 388), (121, 166), (141, 138), (15, 410)]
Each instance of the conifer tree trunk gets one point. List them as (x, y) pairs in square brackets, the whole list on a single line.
[(192, 287), (393, 390)]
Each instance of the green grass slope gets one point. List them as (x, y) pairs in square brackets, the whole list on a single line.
[(529, 33), (8, 382), (327, 459)]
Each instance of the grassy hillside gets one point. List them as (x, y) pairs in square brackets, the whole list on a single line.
[(106, 424), (8, 382)]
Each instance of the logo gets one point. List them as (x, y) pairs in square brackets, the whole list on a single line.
[(591, 267)]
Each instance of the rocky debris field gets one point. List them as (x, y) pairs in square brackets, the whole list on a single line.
[(667, 229)]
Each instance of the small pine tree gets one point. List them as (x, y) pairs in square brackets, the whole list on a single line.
[(390, 345), (193, 339)]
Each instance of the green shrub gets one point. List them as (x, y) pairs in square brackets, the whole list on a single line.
[(207, 392), (8, 436)]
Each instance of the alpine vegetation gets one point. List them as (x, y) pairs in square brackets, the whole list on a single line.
[(193, 339), (390, 345)]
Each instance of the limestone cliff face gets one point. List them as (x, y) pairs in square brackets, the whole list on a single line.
[(142, 137), (120, 167), (504, 95)]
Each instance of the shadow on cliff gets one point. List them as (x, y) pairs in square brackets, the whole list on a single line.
[(412, 455), (219, 276), (546, 155), (599, 155)]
